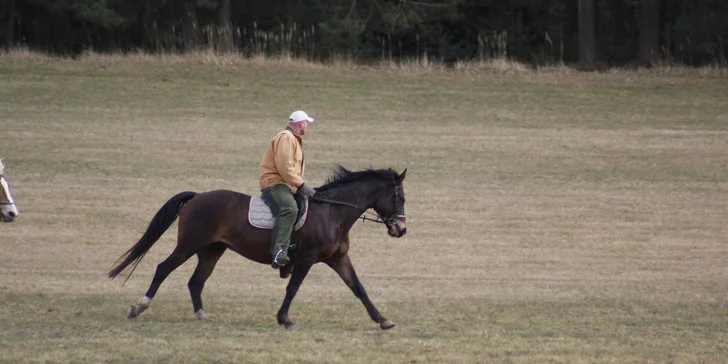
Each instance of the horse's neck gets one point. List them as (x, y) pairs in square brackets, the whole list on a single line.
[(361, 196)]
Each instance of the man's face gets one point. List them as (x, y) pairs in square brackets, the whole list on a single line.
[(304, 125)]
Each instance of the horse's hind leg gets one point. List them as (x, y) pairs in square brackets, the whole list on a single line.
[(342, 265), (207, 259), (164, 268)]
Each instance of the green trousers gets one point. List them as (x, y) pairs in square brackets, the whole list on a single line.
[(283, 206)]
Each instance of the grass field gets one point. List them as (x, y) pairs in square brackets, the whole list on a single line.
[(553, 216)]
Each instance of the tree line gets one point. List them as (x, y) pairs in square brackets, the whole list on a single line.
[(590, 32)]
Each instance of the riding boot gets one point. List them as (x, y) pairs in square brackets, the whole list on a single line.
[(283, 206), (280, 259), (285, 271)]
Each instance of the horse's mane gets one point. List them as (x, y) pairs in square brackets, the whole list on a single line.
[(343, 176)]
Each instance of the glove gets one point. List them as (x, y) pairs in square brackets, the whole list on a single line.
[(307, 190)]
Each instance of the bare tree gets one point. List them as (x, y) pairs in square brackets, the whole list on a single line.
[(224, 27), (7, 19), (649, 30), (587, 39)]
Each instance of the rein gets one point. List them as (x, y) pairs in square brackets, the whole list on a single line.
[(378, 219)]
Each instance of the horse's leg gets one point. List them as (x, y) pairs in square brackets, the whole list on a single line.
[(207, 259), (342, 265), (164, 268), (300, 270)]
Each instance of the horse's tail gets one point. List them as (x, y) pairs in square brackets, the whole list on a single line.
[(161, 221)]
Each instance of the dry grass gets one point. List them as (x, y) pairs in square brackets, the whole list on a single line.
[(417, 66), (554, 216)]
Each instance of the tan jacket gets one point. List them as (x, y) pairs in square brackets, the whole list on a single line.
[(283, 162)]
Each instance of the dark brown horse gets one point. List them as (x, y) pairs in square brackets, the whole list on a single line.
[(212, 222)]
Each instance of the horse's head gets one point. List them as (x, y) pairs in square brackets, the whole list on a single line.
[(390, 206), (379, 189), (8, 211)]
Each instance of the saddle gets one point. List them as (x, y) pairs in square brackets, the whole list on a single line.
[(260, 216)]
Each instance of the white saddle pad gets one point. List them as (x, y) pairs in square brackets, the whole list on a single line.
[(259, 214)]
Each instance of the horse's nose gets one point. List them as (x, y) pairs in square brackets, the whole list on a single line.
[(12, 214)]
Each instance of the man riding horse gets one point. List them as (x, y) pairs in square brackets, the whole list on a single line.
[(281, 175), (213, 222)]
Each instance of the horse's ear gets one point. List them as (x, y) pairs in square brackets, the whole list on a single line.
[(400, 178)]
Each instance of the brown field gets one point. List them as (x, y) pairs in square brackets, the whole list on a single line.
[(553, 216)]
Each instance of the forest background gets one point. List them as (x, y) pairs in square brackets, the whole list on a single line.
[(583, 33)]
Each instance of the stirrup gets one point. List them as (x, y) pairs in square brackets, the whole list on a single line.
[(276, 264)]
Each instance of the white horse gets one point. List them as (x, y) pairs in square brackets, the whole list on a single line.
[(8, 211)]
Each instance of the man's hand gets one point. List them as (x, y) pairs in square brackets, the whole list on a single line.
[(307, 190)]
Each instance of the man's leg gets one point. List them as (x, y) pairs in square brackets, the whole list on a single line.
[(283, 206)]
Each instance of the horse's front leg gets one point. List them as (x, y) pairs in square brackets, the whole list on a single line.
[(342, 265), (300, 270)]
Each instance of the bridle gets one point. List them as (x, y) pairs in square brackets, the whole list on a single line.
[(397, 194)]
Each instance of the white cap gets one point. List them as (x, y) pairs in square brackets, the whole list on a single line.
[(299, 115)]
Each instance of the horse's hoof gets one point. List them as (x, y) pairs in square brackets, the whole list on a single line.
[(200, 316), (141, 306), (387, 324), (290, 326), (132, 312)]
